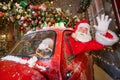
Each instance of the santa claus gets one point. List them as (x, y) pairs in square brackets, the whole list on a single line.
[(81, 40)]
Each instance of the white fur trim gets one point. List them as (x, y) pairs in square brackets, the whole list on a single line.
[(106, 41), (84, 25), (31, 62)]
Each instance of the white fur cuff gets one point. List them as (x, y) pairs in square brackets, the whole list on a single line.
[(105, 40)]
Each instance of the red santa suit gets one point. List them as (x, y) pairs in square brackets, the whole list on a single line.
[(101, 41)]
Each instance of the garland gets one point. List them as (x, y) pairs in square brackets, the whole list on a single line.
[(32, 16)]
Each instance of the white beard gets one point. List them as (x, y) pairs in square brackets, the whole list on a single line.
[(79, 36)]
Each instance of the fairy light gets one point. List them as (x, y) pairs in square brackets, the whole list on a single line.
[(116, 27), (112, 51), (51, 2), (70, 5), (119, 42)]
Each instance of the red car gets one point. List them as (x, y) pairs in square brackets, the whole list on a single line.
[(25, 63)]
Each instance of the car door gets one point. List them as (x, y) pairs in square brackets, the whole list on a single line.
[(74, 67)]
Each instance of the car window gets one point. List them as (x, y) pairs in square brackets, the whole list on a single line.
[(40, 44)]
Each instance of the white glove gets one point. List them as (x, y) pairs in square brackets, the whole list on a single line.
[(103, 24)]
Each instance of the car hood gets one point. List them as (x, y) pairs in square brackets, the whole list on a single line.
[(11, 70)]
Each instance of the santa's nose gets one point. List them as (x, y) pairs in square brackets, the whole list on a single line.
[(83, 30)]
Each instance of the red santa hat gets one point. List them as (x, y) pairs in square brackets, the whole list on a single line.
[(82, 23)]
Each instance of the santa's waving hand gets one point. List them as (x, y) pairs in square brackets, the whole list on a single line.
[(103, 24), (103, 35)]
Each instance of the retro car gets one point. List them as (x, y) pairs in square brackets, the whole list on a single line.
[(24, 62)]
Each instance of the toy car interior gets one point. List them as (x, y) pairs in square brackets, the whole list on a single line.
[(30, 43)]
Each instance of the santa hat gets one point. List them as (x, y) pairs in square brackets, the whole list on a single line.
[(82, 23)]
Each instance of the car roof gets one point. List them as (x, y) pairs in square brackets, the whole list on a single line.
[(53, 28)]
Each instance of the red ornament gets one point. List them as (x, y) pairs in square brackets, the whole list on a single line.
[(37, 28), (38, 12), (25, 24), (21, 29), (22, 18), (43, 7), (1, 14), (36, 20), (31, 7), (35, 14), (28, 20), (36, 7)]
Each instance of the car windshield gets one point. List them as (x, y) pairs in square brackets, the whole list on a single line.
[(40, 44)]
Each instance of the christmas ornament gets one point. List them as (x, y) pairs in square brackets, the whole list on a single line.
[(60, 24), (34, 29), (5, 7), (31, 7), (43, 7), (35, 15), (1, 14), (21, 29), (23, 3)]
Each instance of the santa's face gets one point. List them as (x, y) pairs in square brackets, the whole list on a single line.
[(83, 30), (82, 34)]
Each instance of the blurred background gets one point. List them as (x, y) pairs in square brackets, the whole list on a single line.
[(19, 16)]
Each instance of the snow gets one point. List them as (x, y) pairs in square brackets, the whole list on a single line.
[(31, 62), (17, 73), (41, 67), (14, 58)]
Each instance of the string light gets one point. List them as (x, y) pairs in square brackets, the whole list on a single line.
[(51, 2), (105, 61), (116, 27), (70, 5)]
